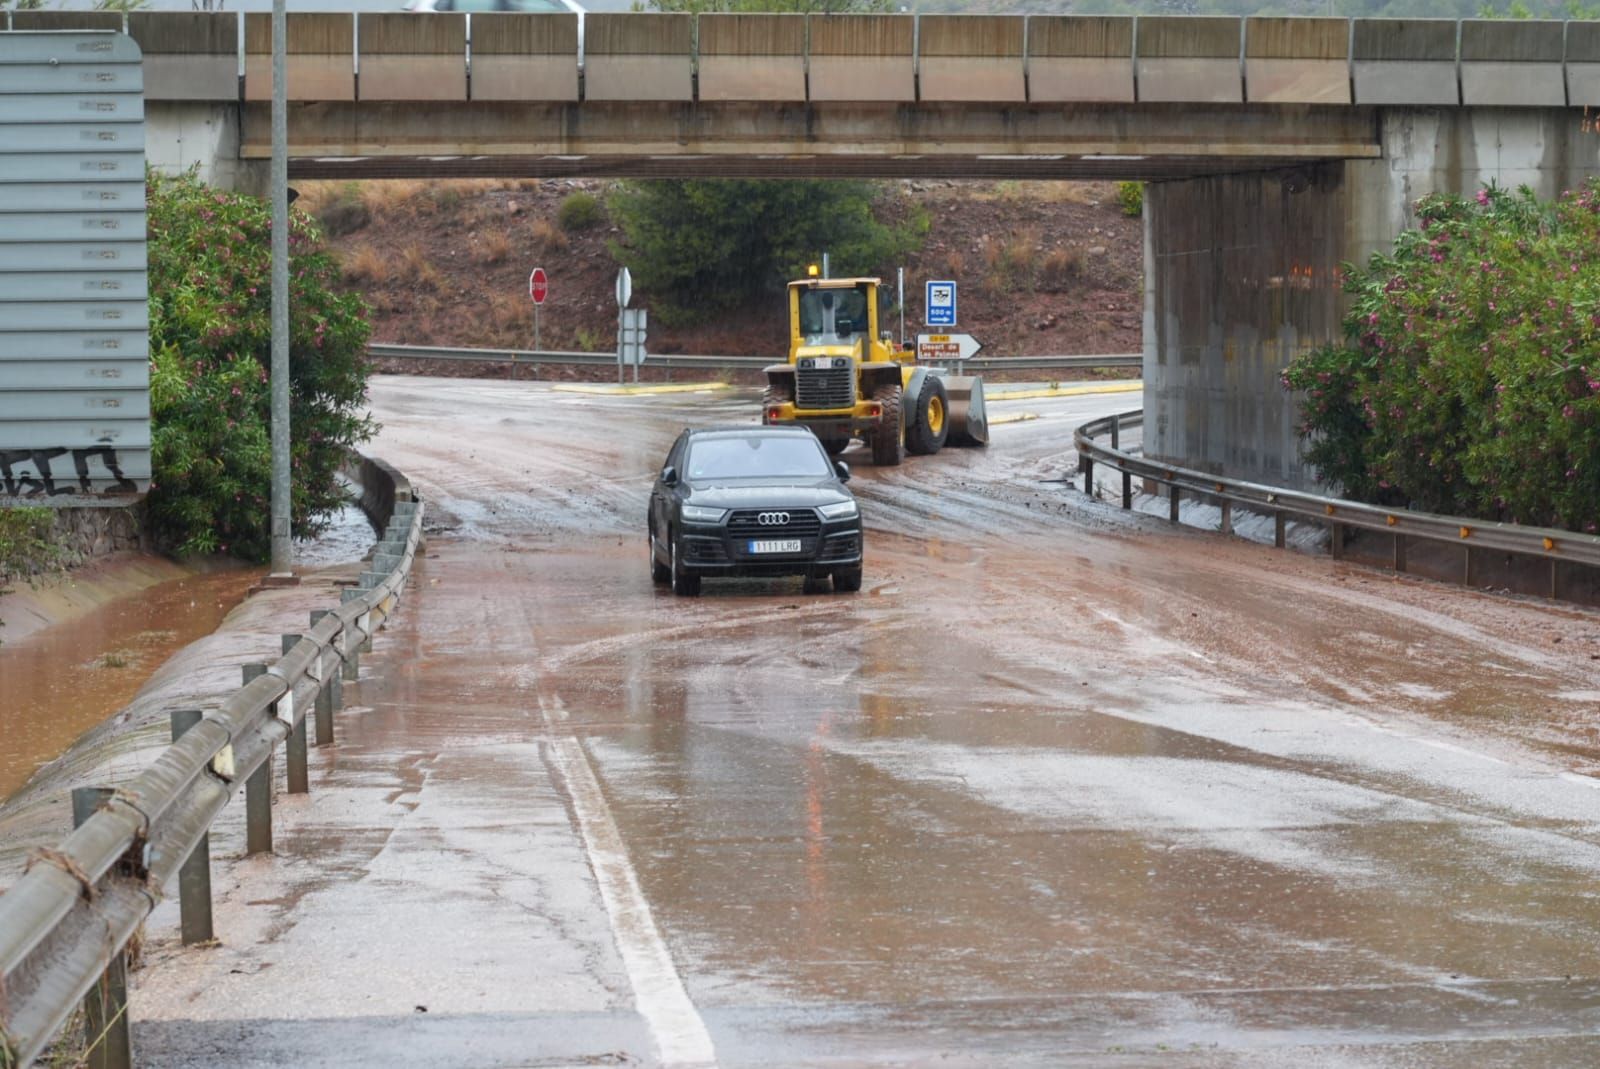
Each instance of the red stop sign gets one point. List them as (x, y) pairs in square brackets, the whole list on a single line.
[(538, 285)]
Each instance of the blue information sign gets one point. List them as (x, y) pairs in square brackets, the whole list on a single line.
[(941, 304)]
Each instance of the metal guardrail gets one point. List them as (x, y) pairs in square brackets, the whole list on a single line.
[(1547, 543), (65, 924), (517, 357)]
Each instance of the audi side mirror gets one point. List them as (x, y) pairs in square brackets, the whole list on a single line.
[(843, 469), (669, 476)]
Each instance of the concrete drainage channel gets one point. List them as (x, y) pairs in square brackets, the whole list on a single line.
[(1560, 551), (66, 923)]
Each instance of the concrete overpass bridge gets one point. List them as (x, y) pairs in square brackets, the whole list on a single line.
[(1279, 148)]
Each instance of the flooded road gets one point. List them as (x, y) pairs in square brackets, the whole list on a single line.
[(1060, 786)]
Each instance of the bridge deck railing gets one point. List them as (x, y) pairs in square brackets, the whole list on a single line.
[(860, 59), (66, 923)]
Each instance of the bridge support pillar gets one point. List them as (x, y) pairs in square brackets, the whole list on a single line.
[(180, 134), (1243, 271)]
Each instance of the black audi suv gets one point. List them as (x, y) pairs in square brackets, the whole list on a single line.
[(753, 501)]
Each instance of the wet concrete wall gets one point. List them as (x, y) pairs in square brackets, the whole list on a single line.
[(89, 534), (1241, 270)]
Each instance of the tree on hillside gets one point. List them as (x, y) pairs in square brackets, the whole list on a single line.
[(702, 247), (210, 344)]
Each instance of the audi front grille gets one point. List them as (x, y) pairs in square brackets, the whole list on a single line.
[(826, 387), (774, 523)]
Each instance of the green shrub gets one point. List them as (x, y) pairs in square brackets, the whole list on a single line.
[(1131, 196), (580, 211), (700, 248), (1469, 378), (27, 541), (210, 339)]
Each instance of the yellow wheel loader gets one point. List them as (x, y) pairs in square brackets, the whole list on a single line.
[(845, 379)]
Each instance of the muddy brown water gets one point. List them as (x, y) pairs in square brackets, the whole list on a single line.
[(61, 681)]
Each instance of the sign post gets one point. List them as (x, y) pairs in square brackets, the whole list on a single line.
[(538, 289), (940, 307), (624, 295)]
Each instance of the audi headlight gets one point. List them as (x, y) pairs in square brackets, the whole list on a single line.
[(844, 510), (700, 514)]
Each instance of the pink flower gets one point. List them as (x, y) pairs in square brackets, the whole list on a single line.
[(1483, 197)]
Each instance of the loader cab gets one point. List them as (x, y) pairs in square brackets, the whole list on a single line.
[(836, 313)]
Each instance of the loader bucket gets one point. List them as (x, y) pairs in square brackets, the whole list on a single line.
[(969, 421)]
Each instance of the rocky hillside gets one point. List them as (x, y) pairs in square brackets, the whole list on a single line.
[(1044, 267)]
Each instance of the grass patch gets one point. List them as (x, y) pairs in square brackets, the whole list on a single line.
[(548, 236), (367, 264), (1060, 268), (419, 269), (496, 248)]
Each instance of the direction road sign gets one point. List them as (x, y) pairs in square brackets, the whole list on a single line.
[(624, 287), (940, 305), (947, 346), (538, 285)]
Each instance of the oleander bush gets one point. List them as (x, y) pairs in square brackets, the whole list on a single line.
[(1468, 380), (210, 343)]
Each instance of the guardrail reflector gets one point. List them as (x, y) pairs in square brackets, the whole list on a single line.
[(1390, 520), (222, 764), (1466, 532), (1549, 543), (283, 708)]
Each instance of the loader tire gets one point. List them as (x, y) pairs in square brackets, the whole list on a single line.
[(930, 419), (888, 445), (834, 443)]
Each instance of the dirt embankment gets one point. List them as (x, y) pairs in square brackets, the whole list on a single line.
[(1044, 267)]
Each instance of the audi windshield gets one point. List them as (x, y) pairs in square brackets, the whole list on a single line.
[(758, 458)]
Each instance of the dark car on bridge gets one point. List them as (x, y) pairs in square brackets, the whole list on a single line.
[(753, 501)]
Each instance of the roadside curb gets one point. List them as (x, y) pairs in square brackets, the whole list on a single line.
[(605, 389), (1064, 391)]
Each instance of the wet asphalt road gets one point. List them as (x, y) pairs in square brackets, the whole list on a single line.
[(1061, 786)]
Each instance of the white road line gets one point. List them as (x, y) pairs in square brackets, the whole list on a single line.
[(680, 1034)]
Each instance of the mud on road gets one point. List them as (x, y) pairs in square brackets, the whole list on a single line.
[(1061, 785)]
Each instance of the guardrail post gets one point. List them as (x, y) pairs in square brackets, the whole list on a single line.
[(1399, 560), (258, 793), (105, 1007), (1336, 540), (352, 656), (1279, 529), (1088, 476), (324, 709), (1468, 575), (1127, 490), (1225, 525), (1116, 429), (1555, 579), (294, 747), (1173, 496), (194, 877)]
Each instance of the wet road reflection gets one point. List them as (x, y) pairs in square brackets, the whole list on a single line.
[(1058, 786)]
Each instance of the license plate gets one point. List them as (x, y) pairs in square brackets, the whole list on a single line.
[(785, 545)]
